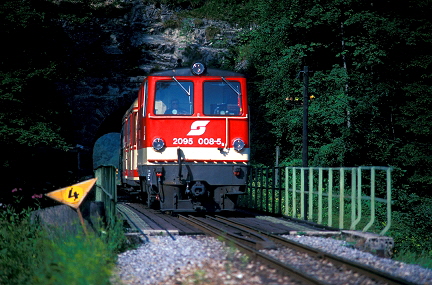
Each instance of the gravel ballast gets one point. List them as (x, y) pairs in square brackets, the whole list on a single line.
[(205, 260), (410, 272)]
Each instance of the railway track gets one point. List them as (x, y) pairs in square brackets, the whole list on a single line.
[(320, 268), (254, 237), (147, 222)]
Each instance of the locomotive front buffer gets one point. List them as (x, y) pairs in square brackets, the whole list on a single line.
[(194, 187)]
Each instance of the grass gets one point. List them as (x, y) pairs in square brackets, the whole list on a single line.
[(423, 259), (30, 254)]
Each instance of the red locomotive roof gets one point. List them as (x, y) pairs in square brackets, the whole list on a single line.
[(188, 72)]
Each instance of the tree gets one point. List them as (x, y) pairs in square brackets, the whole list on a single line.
[(32, 113), (371, 80)]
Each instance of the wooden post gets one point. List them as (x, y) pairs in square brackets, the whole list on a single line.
[(82, 221)]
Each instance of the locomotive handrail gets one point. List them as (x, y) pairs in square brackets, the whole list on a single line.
[(179, 160), (226, 133)]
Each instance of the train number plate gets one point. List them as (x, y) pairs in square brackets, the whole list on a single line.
[(200, 141)]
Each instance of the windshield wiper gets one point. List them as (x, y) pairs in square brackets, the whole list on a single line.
[(232, 87), (182, 87)]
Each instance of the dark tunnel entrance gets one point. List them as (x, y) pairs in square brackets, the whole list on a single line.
[(106, 150), (106, 147)]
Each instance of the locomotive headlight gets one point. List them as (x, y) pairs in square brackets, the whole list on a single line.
[(238, 144), (158, 144), (198, 68)]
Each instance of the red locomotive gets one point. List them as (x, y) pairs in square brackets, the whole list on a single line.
[(185, 140)]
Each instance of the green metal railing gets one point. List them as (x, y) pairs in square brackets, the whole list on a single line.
[(265, 190), (106, 189), (323, 195)]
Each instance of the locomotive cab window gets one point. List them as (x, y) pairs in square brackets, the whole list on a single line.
[(173, 98), (222, 98)]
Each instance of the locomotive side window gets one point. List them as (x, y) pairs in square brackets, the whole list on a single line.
[(144, 99), (222, 98), (174, 98)]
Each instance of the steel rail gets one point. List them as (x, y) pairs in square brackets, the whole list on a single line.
[(133, 208), (340, 261), (283, 268), (135, 225), (252, 239)]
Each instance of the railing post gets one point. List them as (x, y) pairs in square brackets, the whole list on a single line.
[(280, 190), (252, 186), (330, 198), (389, 194), (359, 198), (273, 194), (286, 191), (302, 194), (294, 202), (320, 190), (255, 180), (98, 196), (267, 190), (310, 195), (353, 198), (106, 189), (372, 196), (341, 197)]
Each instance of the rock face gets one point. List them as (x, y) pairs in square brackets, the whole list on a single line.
[(64, 219), (162, 39), (118, 51)]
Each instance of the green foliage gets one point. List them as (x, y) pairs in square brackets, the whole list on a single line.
[(31, 111), (35, 125), (423, 258), (211, 32), (181, 3), (371, 82), (171, 24), (237, 12), (78, 259), (31, 255), (114, 238), (18, 249), (371, 79), (410, 210)]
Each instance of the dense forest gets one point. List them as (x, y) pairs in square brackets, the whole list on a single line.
[(370, 82)]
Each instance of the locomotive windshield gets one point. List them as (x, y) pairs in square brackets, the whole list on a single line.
[(222, 98), (174, 98)]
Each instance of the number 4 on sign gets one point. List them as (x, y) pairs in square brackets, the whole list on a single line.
[(73, 195)]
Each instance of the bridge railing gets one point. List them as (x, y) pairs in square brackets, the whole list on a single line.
[(106, 189), (349, 196), (265, 190)]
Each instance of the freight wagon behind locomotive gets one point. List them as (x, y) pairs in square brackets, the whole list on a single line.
[(185, 140)]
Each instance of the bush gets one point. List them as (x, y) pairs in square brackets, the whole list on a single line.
[(74, 260), (412, 224), (211, 32), (29, 254), (19, 250)]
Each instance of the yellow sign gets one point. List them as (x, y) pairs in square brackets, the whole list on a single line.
[(73, 195)]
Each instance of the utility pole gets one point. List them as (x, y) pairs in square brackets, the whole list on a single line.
[(305, 162), (305, 116)]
